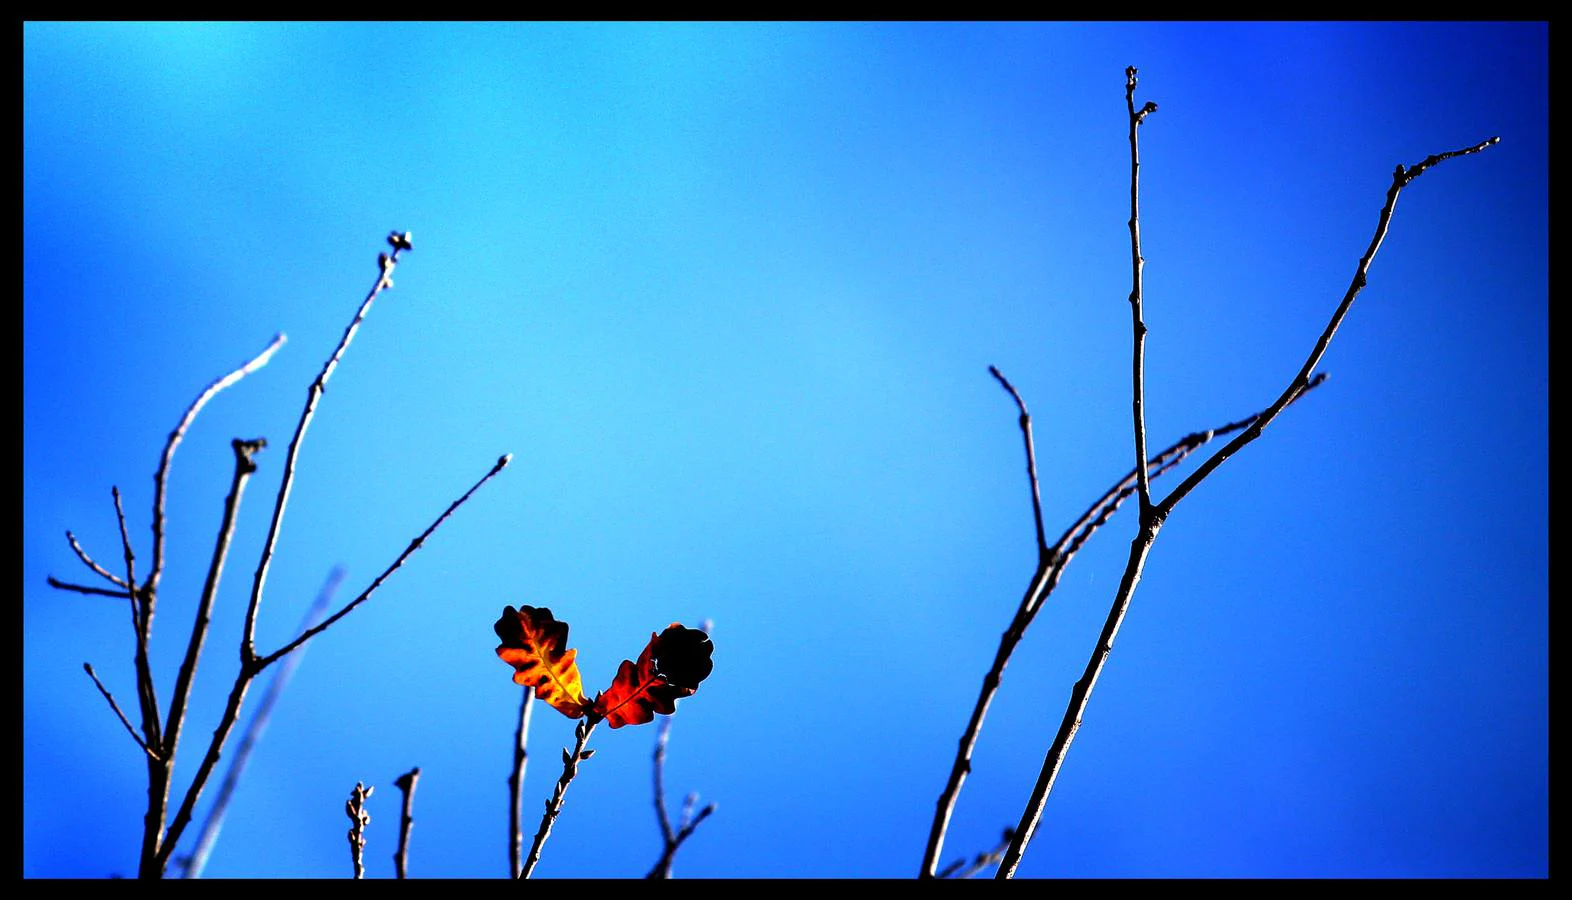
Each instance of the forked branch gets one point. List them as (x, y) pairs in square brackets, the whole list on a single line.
[(1052, 561), (1154, 515)]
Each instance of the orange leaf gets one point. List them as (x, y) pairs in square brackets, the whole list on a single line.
[(534, 644), (671, 667)]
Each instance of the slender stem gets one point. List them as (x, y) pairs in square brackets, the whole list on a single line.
[(308, 634), (1031, 457), (141, 623), (59, 585), (88, 561), (1401, 178), (661, 817), (251, 665), (161, 478), (214, 823), (516, 787), (1137, 263), (982, 861), (386, 264), (570, 768), (406, 785), (244, 468), (122, 716)]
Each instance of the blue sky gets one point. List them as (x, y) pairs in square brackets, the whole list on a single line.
[(728, 293)]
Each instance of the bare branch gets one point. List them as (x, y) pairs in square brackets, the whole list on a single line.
[(161, 477), (1137, 263), (250, 664), (1031, 458), (516, 787), (1400, 179), (142, 623), (116, 707), (214, 823), (406, 785), (385, 265), (671, 839), (244, 467), (570, 768), (1153, 518), (88, 561), (981, 861), (1050, 568), (265, 661), (84, 589)]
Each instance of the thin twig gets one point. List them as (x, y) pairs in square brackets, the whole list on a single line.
[(252, 666), (88, 561), (1400, 179), (1031, 458), (161, 477), (116, 707), (385, 265), (1137, 263), (308, 634), (570, 768), (147, 696), (662, 867), (981, 861), (359, 818), (244, 468), (1050, 568), (406, 785), (661, 817), (1154, 517), (516, 787), (57, 584), (214, 823)]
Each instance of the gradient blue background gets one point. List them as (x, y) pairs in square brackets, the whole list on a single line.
[(729, 293)]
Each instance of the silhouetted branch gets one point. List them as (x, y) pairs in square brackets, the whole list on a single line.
[(406, 785), (116, 707), (1050, 567), (416, 544), (1153, 516), (981, 861), (385, 264), (1031, 458)]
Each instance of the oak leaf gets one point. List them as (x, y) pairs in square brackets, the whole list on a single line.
[(535, 645), (670, 668)]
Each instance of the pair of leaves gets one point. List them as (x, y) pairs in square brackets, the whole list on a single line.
[(673, 663)]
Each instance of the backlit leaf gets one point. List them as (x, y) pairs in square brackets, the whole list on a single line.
[(535, 645), (671, 667)]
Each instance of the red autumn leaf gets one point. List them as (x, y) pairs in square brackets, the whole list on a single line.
[(671, 667), (535, 645)]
